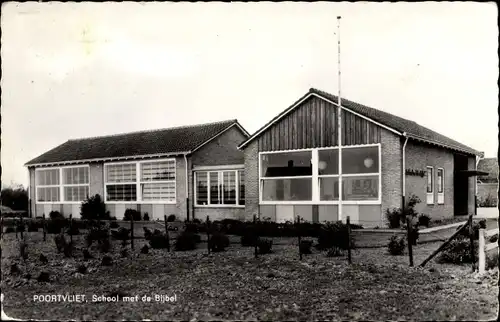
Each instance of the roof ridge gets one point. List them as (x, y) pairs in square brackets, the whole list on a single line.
[(231, 121)]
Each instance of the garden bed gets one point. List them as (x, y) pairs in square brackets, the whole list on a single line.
[(234, 285)]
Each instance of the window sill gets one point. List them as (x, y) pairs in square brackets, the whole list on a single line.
[(141, 202), (220, 206), (344, 202)]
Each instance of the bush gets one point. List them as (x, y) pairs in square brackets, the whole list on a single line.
[(9, 230), (218, 242), (147, 233), (145, 249), (146, 217), (20, 226), (397, 216), (249, 238), (305, 246), (264, 246), (114, 225), (492, 259), (97, 234), (107, 261), (94, 208), (396, 245), (334, 252), (458, 252), (171, 218), (186, 241), (159, 240), (194, 221), (424, 220), (334, 235), (55, 226), (33, 226), (55, 215), (132, 214), (475, 229), (60, 242), (121, 233), (73, 230)]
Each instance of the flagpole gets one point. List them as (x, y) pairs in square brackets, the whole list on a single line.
[(339, 119)]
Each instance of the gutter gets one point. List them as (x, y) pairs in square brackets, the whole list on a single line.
[(403, 169)]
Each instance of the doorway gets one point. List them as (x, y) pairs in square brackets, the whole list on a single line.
[(460, 185)]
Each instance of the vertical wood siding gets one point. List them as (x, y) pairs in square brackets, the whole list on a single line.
[(314, 124)]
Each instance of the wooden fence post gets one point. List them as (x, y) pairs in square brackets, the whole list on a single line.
[(1, 233), (71, 227), (471, 238), (255, 235), (482, 255), (44, 228), (409, 231), (132, 232), (299, 236), (21, 225), (349, 259), (208, 234), (166, 232), (15, 226)]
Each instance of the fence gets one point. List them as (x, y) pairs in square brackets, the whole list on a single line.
[(484, 247)]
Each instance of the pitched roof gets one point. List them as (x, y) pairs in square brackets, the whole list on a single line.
[(395, 123), (489, 165), (183, 139)]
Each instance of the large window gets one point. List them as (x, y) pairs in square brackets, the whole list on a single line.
[(220, 187), (314, 175), (74, 186), (145, 181), (440, 184), (430, 185)]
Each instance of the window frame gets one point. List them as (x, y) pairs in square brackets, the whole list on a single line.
[(316, 177), (440, 194), (138, 182), (220, 180), (429, 195), (61, 184)]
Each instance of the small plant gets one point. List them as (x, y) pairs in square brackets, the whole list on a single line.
[(172, 218), (33, 226), (457, 252), (87, 255), (186, 241), (23, 252), (147, 233), (107, 261), (73, 230), (105, 246), (132, 214), (43, 259), (334, 252), (393, 217), (68, 249), (194, 221), (265, 246), (475, 229), (82, 269), (121, 234), (96, 234), (20, 226), (54, 215), (9, 230), (424, 220), (334, 235), (218, 242), (44, 277), (145, 249), (60, 242), (124, 253), (146, 217), (305, 246), (94, 208), (493, 239), (114, 225), (396, 245), (159, 240), (14, 269)]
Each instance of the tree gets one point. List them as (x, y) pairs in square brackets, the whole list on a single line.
[(94, 208), (15, 198)]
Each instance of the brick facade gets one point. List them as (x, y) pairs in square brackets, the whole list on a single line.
[(251, 180)]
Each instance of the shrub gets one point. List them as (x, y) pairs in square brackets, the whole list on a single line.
[(73, 230), (492, 259), (43, 259), (458, 252), (159, 240), (107, 261), (96, 234), (218, 242), (82, 269), (87, 255), (121, 233), (23, 252), (424, 220), (60, 242), (68, 249), (33, 226), (14, 269), (124, 253), (44, 277), (397, 216), (9, 230), (114, 225), (53, 215), (105, 246), (195, 221), (20, 226), (396, 245), (94, 208), (334, 252), (475, 229), (334, 235), (493, 239), (147, 233), (132, 214), (264, 246), (146, 217), (305, 246), (249, 237), (172, 217), (393, 217), (186, 241), (145, 249)]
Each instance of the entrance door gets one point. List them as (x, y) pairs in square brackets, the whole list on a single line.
[(460, 185)]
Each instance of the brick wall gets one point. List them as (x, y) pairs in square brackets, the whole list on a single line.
[(391, 173), (223, 150), (418, 157), (251, 152)]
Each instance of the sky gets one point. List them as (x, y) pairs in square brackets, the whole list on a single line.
[(73, 70)]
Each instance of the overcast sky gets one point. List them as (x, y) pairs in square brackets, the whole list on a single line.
[(72, 70)]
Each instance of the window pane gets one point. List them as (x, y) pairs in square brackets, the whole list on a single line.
[(158, 170), (329, 189), (76, 175), (201, 188), (360, 160), (440, 180), (164, 191), (286, 164), (242, 187), (229, 186), (429, 180), (77, 193), (214, 188), (121, 192), (360, 188), (49, 194), (287, 189), (47, 177), (121, 172), (328, 161)]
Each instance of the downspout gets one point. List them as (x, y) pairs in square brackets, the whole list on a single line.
[(404, 171), (187, 187)]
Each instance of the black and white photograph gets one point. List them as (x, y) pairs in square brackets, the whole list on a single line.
[(249, 161)]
